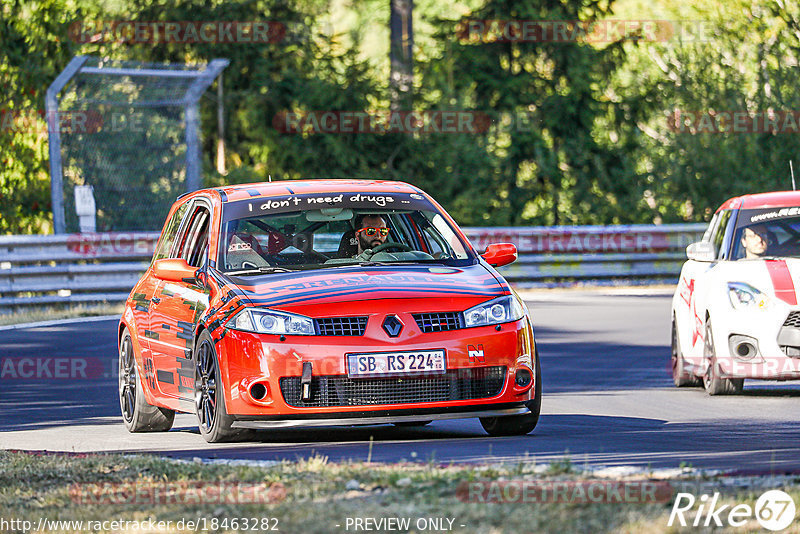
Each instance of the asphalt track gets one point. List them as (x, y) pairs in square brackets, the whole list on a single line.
[(608, 401)]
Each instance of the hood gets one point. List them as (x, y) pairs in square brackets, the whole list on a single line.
[(778, 278), (355, 284)]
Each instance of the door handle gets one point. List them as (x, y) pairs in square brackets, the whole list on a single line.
[(155, 300)]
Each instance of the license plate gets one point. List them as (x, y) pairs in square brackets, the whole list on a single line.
[(396, 363)]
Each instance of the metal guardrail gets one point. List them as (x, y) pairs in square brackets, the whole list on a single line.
[(557, 256), (74, 268), (90, 268)]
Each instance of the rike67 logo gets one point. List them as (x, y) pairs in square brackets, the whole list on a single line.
[(774, 510)]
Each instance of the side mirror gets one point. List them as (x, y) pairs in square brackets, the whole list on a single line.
[(174, 270), (499, 254), (701, 251)]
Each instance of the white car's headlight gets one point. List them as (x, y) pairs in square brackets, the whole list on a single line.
[(745, 297), (496, 311), (272, 322)]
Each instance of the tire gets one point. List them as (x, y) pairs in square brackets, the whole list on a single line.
[(680, 376), (519, 425), (407, 424), (712, 381), (137, 414), (212, 415)]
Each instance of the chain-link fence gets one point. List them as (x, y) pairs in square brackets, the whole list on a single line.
[(129, 130)]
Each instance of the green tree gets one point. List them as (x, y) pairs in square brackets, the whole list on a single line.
[(743, 61), (34, 49), (557, 158)]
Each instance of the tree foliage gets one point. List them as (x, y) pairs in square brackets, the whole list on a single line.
[(578, 132)]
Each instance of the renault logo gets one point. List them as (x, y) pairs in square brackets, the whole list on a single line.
[(392, 325)]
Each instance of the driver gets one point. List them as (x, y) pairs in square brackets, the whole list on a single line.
[(371, 231), (755, 240)]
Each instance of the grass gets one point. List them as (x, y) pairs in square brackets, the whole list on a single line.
[(314, 495), (36, 314)]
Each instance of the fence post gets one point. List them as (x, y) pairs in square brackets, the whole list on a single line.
[(192, 114), (54, 138)]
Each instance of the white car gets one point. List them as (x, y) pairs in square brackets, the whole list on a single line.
[(735, 312)]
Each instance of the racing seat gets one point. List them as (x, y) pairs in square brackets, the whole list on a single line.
[(244, 252), (348, 245)]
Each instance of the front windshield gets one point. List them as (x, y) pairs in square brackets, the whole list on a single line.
[(326, 237), (762, 233)]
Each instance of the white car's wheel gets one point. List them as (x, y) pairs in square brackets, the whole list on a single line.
[(712, 380), (680, 376)]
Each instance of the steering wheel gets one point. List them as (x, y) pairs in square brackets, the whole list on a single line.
[(386, 246)]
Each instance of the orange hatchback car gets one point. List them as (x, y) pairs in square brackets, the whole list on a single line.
[(314, 303)]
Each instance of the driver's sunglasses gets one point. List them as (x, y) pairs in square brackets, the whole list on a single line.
[(371, 231)]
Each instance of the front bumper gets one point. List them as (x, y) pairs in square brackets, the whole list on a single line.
[(777, 344), (247, 359), (378, 418)]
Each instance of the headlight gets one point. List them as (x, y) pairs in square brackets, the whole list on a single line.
[(496, 311), (272, 322), (746, 297)]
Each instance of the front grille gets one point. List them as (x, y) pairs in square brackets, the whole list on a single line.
[(793, 320), (455, 384), (439, 322), (341, 326)]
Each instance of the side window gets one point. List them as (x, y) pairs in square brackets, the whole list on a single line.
[(170, 232), (711, 227), (436, 249), (193, 242), (432, 242), (718, 238)]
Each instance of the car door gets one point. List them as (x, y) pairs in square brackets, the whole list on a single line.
[(694, 287), (179, 304), (146, 290)]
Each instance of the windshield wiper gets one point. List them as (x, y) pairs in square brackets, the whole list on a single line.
[(389, 263), (261, 270)]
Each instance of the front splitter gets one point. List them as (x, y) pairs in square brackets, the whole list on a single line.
[(351, 421)]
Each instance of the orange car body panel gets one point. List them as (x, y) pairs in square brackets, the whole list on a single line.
[(165, 319)]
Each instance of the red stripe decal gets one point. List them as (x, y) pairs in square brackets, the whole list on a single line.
[(782, 281)]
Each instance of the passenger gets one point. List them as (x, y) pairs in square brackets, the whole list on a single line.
[(755, 241)]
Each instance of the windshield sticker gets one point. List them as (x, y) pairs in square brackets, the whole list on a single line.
[(775, 214), (251, 207), (236, 247)]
